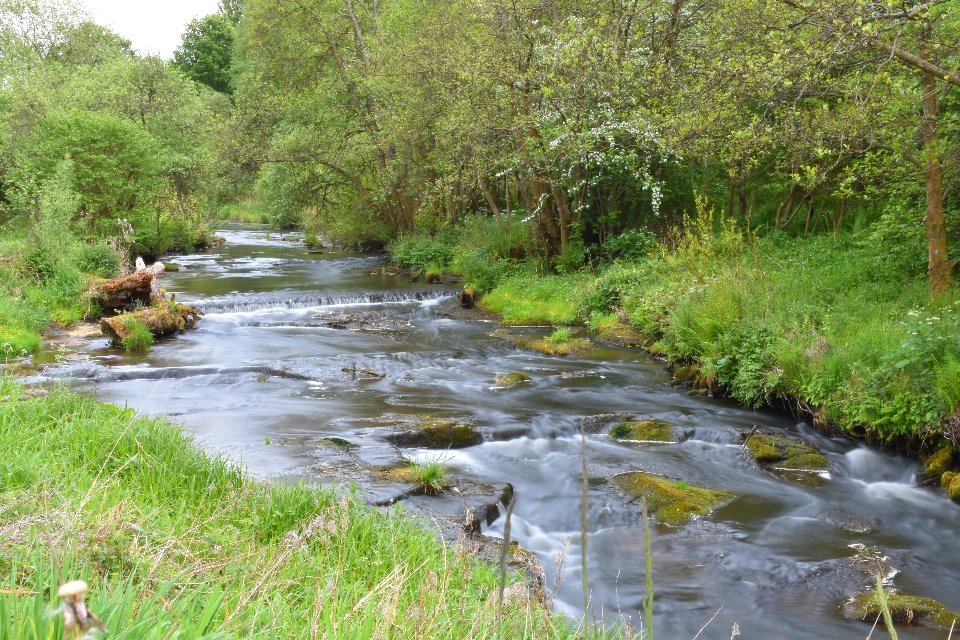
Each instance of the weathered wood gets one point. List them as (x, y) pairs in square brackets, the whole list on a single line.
[(140, 288), (163, 319)]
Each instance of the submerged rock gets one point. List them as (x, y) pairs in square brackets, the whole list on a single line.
[(785, 452), (644, 431), (671, 502), (512, 379), (903, 608), (339, 443), (438, 434)]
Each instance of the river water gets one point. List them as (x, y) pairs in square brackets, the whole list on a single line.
[(265, 364)]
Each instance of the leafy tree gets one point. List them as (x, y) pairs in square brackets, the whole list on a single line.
[(207, 51)]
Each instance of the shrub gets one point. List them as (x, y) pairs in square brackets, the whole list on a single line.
[(421, 252)]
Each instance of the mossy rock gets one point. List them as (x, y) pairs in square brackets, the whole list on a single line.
[(620, 333), (171, 266), (565, 348), (805, 462), (953, 491), (903, 609), (671, 502), (339, 443), (645, 431), (785, 452), (433, 276), (512, 379), (688, 373), (947, 478), (939, 463), (438, 434)]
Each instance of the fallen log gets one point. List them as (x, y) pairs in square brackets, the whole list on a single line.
[(163, 319), (139, 289)]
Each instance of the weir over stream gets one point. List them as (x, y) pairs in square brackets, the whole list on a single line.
[(267, 364)]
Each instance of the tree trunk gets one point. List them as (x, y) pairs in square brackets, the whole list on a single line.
[(161, 320), (939, 268)]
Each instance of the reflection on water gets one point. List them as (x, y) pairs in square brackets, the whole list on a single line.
[(282, 323)]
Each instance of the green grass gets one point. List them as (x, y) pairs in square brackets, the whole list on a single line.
[(430, 475), (174, 543), (558, 336), (533, 300), (139, 338), (248, 212)]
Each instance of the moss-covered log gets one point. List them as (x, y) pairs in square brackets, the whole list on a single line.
[(163, 319)]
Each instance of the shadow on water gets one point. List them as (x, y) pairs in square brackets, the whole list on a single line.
[(276, 355)]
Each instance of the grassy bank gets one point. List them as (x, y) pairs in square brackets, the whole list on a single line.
[(839, 325), (177, 544)]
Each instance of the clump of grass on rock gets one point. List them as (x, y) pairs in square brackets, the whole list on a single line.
[(559, 343)]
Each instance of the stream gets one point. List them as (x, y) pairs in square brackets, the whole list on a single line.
[(262, 379)]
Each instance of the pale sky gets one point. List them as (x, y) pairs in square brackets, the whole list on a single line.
[(153, 27)]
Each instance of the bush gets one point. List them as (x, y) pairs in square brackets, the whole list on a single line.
[(421, 252)]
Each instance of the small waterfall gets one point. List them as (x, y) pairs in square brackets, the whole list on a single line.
[(310, 302), (871, 466)]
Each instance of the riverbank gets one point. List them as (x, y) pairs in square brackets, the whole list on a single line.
[(837, 327), (173, 540)]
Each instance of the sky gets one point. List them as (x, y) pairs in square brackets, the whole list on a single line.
[(153, 27)]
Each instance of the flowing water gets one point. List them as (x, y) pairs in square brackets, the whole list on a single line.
[(267, 362)]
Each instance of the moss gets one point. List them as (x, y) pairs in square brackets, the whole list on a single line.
[(939, 463), (954, 489), (438, 434), (565, 348), (171, 266), (340, 443), (762, 451), (793, 453), (647, 430), (688, 373), (433, 275), (903, 608), (670, 502), (618, 331), (947, 478), (512, 379), (805, 462)]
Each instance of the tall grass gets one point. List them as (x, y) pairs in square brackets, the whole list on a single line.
[(175, 543)]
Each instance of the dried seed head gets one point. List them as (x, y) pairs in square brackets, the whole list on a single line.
[(72, 589)]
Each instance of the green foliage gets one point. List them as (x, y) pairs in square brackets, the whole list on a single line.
[(419, 252), (98, 259), (206, 52), (560, 335), (139, 338)]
